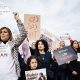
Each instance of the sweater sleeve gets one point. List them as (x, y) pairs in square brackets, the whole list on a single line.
[(23, 33)]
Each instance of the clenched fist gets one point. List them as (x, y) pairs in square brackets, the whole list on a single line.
[(16, 16)]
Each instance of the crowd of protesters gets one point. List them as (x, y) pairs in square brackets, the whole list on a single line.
[(41, 57), (13, 66)]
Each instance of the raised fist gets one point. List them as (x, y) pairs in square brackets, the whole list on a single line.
[(16, 16)]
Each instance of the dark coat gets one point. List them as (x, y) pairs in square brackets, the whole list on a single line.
[(47, 62)]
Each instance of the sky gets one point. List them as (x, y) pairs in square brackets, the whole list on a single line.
[(57, 16)]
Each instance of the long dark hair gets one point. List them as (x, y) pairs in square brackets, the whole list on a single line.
[(77, 49), (29, 60)]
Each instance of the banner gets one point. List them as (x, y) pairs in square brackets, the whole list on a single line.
[(39, 74), (25, 50), (64, 55), (42, 36), (32, 23)]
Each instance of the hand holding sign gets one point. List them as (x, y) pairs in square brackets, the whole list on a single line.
[(68, 62), (65, 55), (74, 73)]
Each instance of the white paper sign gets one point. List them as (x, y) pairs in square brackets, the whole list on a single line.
[(39, 74)]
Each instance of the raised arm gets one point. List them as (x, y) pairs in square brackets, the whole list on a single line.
[(23, 33)]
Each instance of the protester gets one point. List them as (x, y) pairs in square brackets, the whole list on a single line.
[(75, 65), (61, 70), (32, 64), (10, 68), (45, 58)]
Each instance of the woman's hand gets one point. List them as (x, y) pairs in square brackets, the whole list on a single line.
[(74, 73), (68, 62), (16, 16)]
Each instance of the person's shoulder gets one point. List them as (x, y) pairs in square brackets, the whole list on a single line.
[(48, 54), (36, 52)]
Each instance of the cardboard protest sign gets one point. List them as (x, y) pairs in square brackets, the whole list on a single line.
[(32, 24)]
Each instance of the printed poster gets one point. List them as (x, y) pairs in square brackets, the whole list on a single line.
[(64, 55), (39, 74)]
